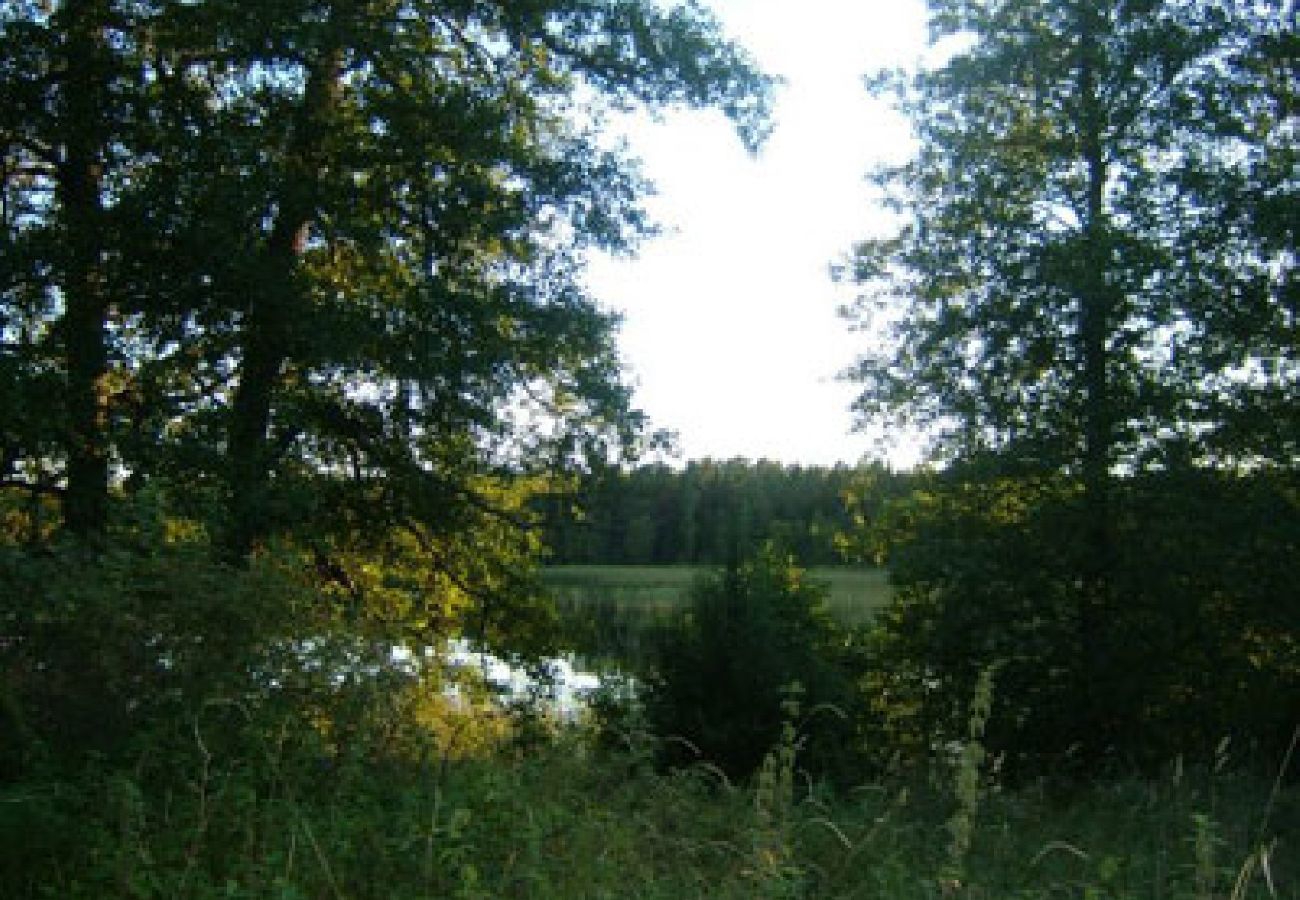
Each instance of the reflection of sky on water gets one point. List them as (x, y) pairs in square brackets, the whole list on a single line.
[(563, 690)]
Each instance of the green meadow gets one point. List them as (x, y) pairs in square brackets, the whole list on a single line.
[(608, 612), (855, 594)]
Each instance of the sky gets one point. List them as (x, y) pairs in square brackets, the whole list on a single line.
[(731, 332)]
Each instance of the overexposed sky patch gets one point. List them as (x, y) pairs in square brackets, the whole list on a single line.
[(731, 331)]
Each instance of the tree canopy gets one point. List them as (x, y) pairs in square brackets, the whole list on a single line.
[(1090, 305), (320, 260), (1096, 262)]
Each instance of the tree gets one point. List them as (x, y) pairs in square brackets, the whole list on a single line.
[(347, 281), (754, 636), (61, 77), (1093, 262), (1092, 275), (435, 194)]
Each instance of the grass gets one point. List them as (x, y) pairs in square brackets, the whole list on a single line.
[(608, 611), (219, 803), (565, 821), (855, 593)]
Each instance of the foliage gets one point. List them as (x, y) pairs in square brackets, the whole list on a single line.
[(120, 653), (561, 824), (753, 638), (291, 309), (968, 784), (1090, 236), (1090, 303), (169, 732), (1201, 649), (114, 657), (322, 260), (293, 333), (707, 512)]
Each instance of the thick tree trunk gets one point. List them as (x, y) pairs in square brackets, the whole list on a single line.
[(275, 316), (84, 283)]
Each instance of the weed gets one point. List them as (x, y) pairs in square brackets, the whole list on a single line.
[(968, 783)]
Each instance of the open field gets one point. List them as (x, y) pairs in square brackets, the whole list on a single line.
[(855, 593), (609, 610)]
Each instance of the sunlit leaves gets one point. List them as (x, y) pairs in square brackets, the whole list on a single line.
[(349, 236)]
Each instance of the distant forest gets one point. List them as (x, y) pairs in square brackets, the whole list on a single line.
[(708, 512)]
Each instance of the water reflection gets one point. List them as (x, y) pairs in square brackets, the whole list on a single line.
[(556, 684)]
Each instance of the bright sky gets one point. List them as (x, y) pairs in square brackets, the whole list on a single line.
[(731, 331)]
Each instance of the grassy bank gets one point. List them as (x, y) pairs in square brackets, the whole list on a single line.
[(567, 822)]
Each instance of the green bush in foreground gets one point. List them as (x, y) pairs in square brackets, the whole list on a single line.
[(754, 640), (167, 734)]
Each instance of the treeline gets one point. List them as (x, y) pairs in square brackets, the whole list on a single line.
[(708, 512)]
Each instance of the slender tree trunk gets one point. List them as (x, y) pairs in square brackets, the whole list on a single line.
[(275, 316), (1095, 323), (85, 290)]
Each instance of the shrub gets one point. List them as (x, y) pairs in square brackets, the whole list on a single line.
[(104, 655), (751, 637), (1195, 643)]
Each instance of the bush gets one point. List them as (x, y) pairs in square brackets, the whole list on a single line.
[(108, 656), (1196, 641), (753, 638)]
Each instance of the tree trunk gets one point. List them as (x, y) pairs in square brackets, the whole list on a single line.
[(1095, 322), (275, 315), (84, 283)]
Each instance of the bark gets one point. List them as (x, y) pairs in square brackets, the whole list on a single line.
[(1095, 322), (80, 190), (275, 315)]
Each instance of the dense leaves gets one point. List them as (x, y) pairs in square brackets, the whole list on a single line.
[(1090, 304), (756, 648), (304, 279), (1200, 649), (295, 353), (707, 512), (307, 249), (1092, 236), (292, 325)]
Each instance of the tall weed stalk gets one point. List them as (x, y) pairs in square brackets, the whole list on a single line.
[(968, 783)]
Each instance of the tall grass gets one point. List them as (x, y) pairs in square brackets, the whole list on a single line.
[(567, 820)]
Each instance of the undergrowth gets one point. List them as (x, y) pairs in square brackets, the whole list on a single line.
[(139, 761), (569, 820)]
